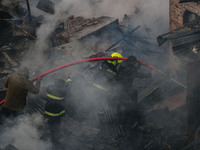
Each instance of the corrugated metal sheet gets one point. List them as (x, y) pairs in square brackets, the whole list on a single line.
[(47, 6), (179, 38), (190, 28)]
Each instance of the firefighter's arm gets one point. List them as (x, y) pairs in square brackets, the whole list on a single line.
[(34, 88)]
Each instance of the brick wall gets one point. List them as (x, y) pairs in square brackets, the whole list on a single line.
[(177, 10)]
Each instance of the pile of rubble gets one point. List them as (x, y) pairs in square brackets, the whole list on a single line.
[(158, 124)]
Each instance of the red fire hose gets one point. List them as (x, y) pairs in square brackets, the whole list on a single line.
[(81, 61), (77, 62)]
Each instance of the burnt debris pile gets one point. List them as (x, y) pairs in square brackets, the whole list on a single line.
[(160, 119)]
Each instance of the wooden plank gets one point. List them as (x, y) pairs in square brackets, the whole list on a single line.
[(11, 62)]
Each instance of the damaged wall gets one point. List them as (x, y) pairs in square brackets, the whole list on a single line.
[(182, 12), (180, 15)]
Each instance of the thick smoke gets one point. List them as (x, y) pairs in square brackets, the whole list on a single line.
[(114, 8), (151, 15), (23, 133)]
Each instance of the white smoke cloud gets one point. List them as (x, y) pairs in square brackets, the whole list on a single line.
[(89, 8), (23, 134), (149, 14), (153, 13)]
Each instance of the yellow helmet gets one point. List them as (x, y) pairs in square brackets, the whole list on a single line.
[(115, 62)]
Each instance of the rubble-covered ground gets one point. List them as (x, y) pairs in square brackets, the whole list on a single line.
[(47, 41)]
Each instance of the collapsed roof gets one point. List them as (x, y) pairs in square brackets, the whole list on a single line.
[(185, 40), (153, 97)]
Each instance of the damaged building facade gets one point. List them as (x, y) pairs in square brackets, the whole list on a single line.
[(184, 37), (185, 14)]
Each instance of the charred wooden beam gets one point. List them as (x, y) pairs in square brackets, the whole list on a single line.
[(124, 36), (22, 30), (29, 10), (11, 62)]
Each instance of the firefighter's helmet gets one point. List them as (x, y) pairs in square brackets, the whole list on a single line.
[(115, 62)]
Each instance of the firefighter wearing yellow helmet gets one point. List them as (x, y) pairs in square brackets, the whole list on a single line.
[(115, 62), (108, 71), (104, 81)]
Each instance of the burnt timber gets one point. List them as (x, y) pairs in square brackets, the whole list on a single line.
[(156, 125)]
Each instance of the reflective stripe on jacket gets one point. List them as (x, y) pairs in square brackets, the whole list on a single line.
[(55, 93), (54, 97), (68, 80), (54, 114), (100, 87), (110, 71), (54, 110)]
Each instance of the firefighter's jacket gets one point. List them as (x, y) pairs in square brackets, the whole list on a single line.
[(18, 87), (105, 77), (55, 105), (109, 70), (127, 73)]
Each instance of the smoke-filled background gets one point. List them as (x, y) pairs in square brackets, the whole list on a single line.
[(151, 15)]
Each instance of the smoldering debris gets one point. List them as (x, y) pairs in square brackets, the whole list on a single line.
[(63, 35), (22, 133)]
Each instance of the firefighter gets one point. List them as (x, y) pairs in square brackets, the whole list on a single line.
[(69, 102), (18, 86), (55, 109), (106, 76), (129, 70), (103, 85), (127, 98), (110, 67)]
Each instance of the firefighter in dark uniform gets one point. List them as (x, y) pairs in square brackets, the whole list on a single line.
[(104, 81), (109, 68), (127, 98), (105, 78), (55, 109)]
